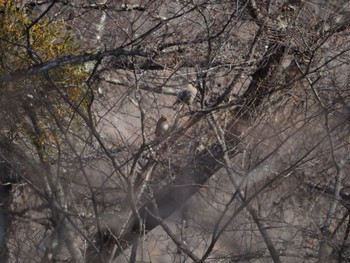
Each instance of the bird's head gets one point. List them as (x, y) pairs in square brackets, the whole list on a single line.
[(163, 118)]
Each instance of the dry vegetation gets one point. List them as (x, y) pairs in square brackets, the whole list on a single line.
[(253, 170)]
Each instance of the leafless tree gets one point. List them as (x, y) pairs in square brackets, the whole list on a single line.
[(252, 166)]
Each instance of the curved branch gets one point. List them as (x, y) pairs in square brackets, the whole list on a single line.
[(69, 60)]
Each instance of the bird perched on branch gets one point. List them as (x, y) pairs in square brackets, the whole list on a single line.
[(162, 126), (186, 96)]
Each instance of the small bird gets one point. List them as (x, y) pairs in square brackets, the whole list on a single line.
[(186, 96), (162, 126)]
